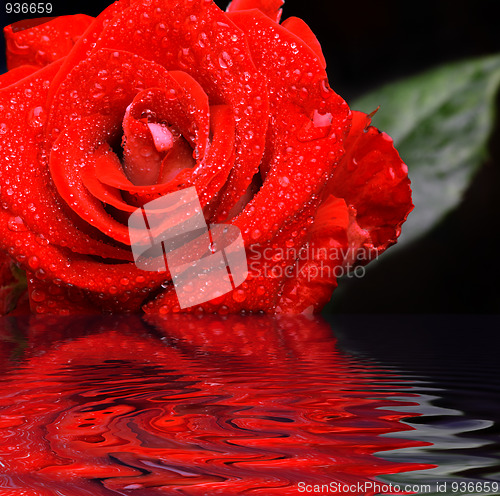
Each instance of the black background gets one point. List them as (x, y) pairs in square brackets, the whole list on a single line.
[(367, 43)]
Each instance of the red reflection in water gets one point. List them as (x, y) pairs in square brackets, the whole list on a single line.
[(103, 406)]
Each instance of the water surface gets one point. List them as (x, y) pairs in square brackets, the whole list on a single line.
[(247, 405)]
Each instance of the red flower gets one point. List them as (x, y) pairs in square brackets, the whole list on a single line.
[(254, 127)]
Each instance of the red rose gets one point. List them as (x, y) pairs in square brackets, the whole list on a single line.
[(251, 123)]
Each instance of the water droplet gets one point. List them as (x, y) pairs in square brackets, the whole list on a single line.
[(185, 57), (42, 240), (40, 273), (225, 60), (36, 117), (146, 151), (317, 127), (34, 262), (161, 29), (16, 224), (202, 39), (284, 181), (256, 234)]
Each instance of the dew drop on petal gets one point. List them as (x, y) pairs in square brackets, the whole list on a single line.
[(40, 273), (284, 181), (36, 117), (225, 60), (317, 127), (16, 224), (324, 88), (42, 240), (256, 234), (239, 295), (37, 295), (34, 262)]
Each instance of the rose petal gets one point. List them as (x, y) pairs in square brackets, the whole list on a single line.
[(271, 8), (119, 287), (374, 182), (85, 43), (270, 265), (109, 171), (209, 47), (141, 159), (367, 200), (15, 75), (315, 274), (69, 155), (104, 83), (46, 298), (300, 29), (162, 137), (183, 105), (308, 125), (103, 192), (27, 170), (208, 176), (193, 119), (178, 161), (42, 41)]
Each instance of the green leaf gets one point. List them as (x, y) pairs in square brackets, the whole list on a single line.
[(440, 122)]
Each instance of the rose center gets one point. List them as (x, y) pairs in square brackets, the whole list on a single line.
[(153, 152)]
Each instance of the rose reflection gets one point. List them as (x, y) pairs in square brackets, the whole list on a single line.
[(187, 405)]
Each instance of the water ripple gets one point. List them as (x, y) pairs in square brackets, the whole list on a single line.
[(236, 405)]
